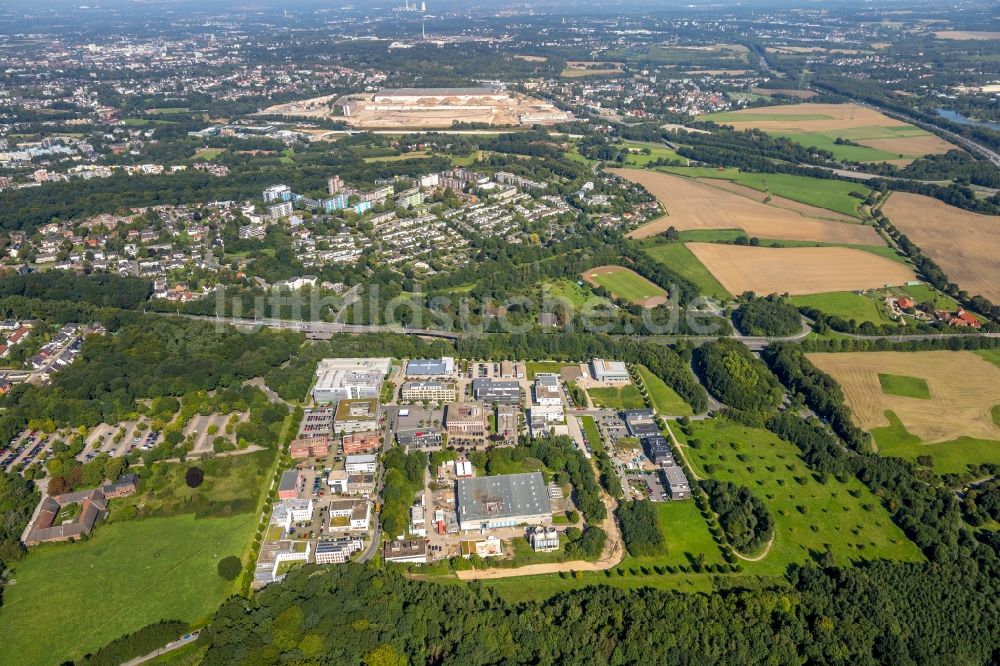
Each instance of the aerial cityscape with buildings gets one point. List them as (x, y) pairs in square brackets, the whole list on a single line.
[(458, 333)]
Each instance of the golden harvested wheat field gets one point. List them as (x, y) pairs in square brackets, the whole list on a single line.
[(695, 205), (833, 119), (967, 34), (964, 388), (797, 270), (963, 243)]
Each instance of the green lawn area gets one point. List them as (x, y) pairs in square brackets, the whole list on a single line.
[(808, 515), (208, 154), (413, 155), (678, 258), (71, 599), (628, 285), (232, 484), (709, 235), (567, 290), (665, 399), (950, 457), (921, 293), (827, 141), (656, 152), (532, 368), (500, 466), (821, 192), (991, 355), (909, 387), (524, 554), (686, 535), (624, 397), (846, 304), (574, 154), (67, 513), (538, 588), (592, 432)]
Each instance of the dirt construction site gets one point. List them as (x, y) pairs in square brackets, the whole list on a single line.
[(429, 108)]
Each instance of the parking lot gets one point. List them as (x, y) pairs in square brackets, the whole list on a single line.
[(101, 439), (199, 427), (28, 448)]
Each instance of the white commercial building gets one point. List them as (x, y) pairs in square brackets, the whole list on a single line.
[(357, 514), (338, 551), (347, 378), (291, 511), (361, 464), (609, 371)]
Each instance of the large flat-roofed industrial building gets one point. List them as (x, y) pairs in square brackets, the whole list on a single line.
[(416, 95), (502, 391), (434, 367), (347, 378), (489, 502)]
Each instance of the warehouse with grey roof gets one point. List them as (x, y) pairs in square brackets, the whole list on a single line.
[(489, 502)]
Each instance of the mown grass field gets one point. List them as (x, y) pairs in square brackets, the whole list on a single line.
[(625, 284), (809, 515), (665, 400), (846, 304), (208, 154), (624, 397), (677, 257), (991, 355), (538, 588), (71, 599), (635, 156), (232, 479), (413, 155), (952, 457), (910, 387), (686, 535), (841, 151)]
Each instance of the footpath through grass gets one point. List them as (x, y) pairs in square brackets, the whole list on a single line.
[(71, 599)]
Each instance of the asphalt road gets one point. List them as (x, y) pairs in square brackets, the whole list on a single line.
[(318, 329)]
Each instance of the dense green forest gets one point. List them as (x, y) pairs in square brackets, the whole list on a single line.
[(736, 377), (827, 614), (640, 527), (772, 315), (18, 498), (743, 517), (157, 356)]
